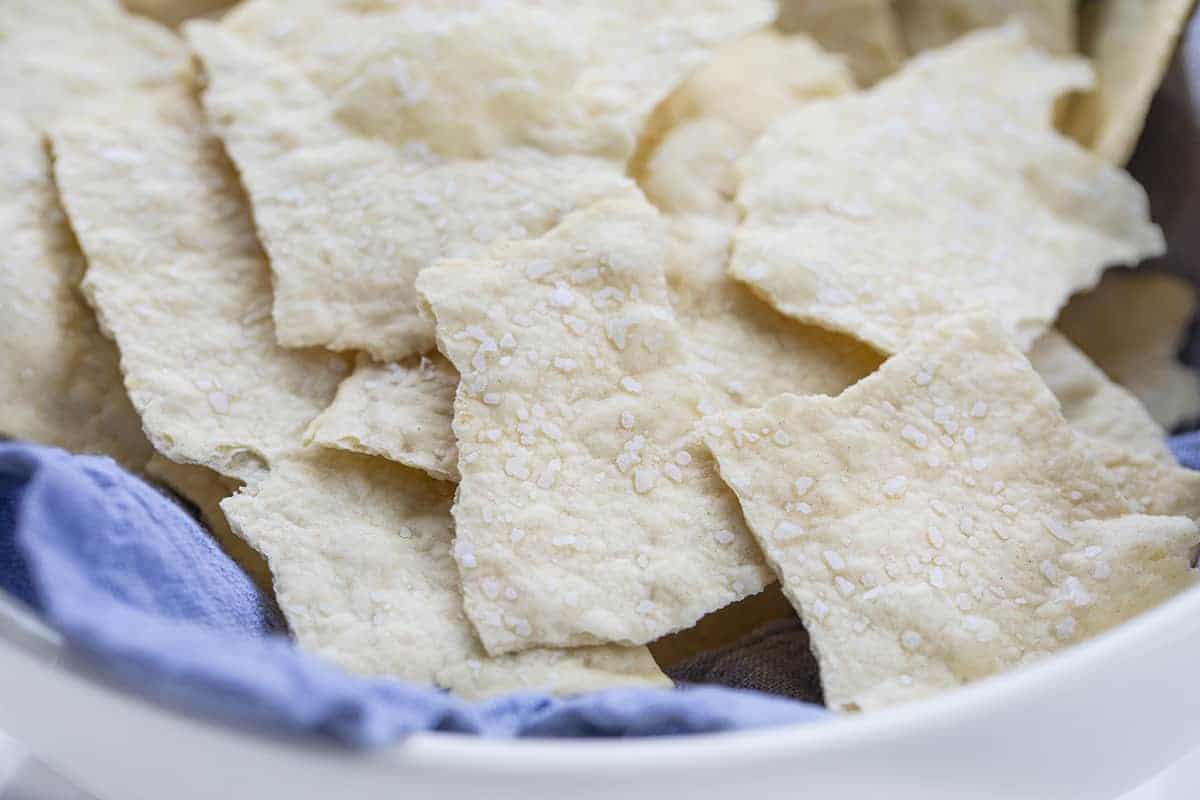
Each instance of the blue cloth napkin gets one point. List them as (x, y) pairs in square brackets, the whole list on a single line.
[(144, 595)]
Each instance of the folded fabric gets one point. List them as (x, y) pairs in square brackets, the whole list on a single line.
[(143, 594)]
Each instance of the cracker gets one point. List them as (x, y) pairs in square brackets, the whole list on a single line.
[(1131, 43), (205, 490), (359, 547), (584, 489), (941, 191), (400, 411), (928, 24), (56, 56), (1132, 325), (939, 522), (218, 392), (865, 31), (62, 384), (1119, 430), (706, 124), (364, 170)]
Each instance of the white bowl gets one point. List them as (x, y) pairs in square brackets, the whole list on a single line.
[(1094, 721)]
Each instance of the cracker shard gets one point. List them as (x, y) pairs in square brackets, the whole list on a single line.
[(363, 170), (583, 485), (942, 191), (359, 547), (919, 567), (1154, 311), (399, 411)]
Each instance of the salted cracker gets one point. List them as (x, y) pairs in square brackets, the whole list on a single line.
[(1119, 430), (929, 24), (62, 383), (941, 191), (1131, 43), (584, 490), (347, 124), (400, 411), (867, 32), (1132, 325), (939, 522), (708, 122), (57, 56), (359, 547)]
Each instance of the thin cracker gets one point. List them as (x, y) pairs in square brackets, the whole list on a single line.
[(583, 488), (1131, 43), (359, 547), (400, 411), (1132, 325), (941, 191), (939, 522), (364, 170)]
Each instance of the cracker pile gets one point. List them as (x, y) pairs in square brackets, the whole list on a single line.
[(501, 340)]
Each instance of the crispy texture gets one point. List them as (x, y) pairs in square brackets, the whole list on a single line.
[(708, 122), (205, 490), (1132, 325), (218, 391), (1131, 43), (867, 217), (57, 56), (1120, 431), (61, 385), (364, 170), (928, 24), (939, 522), (174, 12), (583, 487), (359, 547), (865, 31), (400, 411)]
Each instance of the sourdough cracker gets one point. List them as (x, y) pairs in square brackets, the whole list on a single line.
[(587, 511), (62, 384), (1132, 325), (1131, 43), (939, 192), (1119, 430), (363, 170), (400, 411), (928, 24), (359, 547), (866, 32), (922, 545), (56, 56)]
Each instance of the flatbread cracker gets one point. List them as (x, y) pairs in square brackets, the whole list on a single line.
[(939, 522), (1131, 43), (363, 170), (708, 122), (941, 191), (584, 490), (1132, 325), (865, 31), (400, 411), (928, 24), (359, 547), (62, 386), (1119, 430), (56, 56)]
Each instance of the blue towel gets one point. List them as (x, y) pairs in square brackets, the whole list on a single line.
[(142, 593)]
